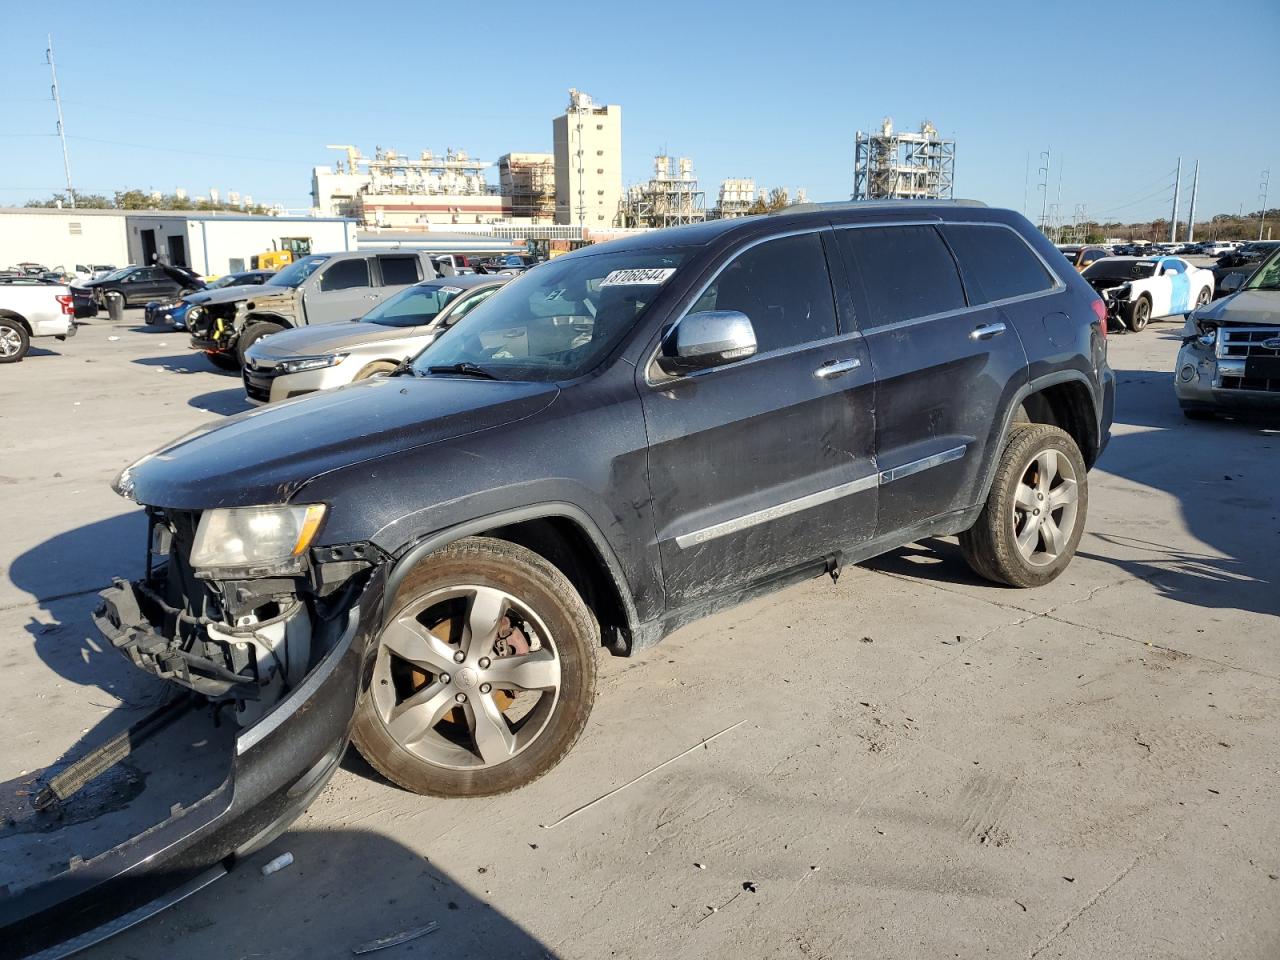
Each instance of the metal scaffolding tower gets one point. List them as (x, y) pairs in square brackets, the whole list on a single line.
[(667, 200), (913, 166)]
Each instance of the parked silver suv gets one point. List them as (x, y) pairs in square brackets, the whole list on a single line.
[(1230, 356), (321, 288)]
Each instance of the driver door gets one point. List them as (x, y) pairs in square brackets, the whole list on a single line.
[(1175, 294)]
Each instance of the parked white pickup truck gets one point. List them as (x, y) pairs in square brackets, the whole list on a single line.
[(31, 308)]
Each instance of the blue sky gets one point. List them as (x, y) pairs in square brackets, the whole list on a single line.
[(245, 97)]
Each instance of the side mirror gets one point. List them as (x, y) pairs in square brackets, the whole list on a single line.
[(1232, 282), (710, 338)]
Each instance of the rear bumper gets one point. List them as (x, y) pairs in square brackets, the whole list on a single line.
[(276, 767)]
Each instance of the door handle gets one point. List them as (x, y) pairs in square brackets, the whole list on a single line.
[(836, 367), (986, 331)]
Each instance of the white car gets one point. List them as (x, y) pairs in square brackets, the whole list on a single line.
[(31, 308), (1216, 248), (1140, 289)]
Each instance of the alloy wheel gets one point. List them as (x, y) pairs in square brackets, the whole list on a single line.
[(1044, 508), (466, 678), (10, 342)]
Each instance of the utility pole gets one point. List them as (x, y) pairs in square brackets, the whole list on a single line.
[(1191, 214), (1266, 182), (62, 133), (1043, 186), (1177, 193)]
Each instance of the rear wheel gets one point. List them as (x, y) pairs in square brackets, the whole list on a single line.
[(1140, 314), (1034, 516), (14, 342), (1206, 294), (484, 674)]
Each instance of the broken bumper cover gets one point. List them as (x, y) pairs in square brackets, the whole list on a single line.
[(280, 764)]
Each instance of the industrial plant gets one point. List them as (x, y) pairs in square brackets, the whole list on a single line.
[(902, 165)]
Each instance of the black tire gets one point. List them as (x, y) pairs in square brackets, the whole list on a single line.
[(990, 546), (539, 586), (252, 334), (1139, 314), (14, 341), (224, 361)]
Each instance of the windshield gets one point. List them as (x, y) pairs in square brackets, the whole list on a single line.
[(1113, 269), (414, 307), (295, 273), (559, 321), (227, 281), (1267, 276)]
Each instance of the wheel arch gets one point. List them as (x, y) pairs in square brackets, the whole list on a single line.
[(562, 534), (277, 319), (18, 319), (1063, 399)]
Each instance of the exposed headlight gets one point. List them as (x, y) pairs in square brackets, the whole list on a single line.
[(256, 539), (302, 364), (1208, 339)]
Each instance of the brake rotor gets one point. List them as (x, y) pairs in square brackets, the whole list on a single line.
[(420, 678)]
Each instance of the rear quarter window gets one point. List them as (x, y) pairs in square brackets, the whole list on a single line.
[(899, 273), (399, 271), (996, 262)]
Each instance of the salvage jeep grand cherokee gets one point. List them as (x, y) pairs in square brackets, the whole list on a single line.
[(617, 442)]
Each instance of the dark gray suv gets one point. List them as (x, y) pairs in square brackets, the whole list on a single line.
[(617, 442)]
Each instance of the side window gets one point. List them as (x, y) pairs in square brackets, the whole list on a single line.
[(783, 286), (1174, 266), (902, 273), (346, 274), (470, 305), (399, 271), (996, 262)]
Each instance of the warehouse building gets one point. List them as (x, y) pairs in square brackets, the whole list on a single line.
[(588, 152), (210, 243)]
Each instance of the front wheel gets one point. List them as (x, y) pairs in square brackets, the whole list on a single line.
[(484, 675), (1034, 516), (1140, 315), (1206, 294), (224, 361), (252, 334)]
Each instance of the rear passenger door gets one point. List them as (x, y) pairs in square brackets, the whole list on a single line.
[(395, 272), (765, 465), (343, 291), (945, 369)]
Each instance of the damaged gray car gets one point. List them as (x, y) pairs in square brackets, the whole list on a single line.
[(1230, 357)]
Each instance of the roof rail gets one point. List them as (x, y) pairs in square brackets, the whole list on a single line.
[(835, 205)]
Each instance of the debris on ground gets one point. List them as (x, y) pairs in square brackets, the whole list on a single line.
[(278, 864), (395, 939), (749, 886)]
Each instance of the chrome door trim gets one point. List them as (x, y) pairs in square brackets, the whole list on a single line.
[(986, 331), (925, 463), (788, 507), (837, 367)]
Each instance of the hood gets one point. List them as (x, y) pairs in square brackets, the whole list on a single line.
[(236, 294), (265, 455), (330, 338), (182, 275), (1248, 308)]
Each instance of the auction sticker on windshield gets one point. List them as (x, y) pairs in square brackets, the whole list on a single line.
[(450, 289), (644, 276)]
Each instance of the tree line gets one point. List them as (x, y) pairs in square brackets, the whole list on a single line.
[(140, 200)]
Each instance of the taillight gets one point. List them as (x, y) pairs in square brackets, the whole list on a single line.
[(1100, 311), (67, 302)]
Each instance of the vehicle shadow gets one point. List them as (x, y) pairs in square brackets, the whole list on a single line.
[(226, 402), (193, 362), (344, 889)]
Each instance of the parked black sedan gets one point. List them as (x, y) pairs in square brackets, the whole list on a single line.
[(1242, 261), (174, 310), (142, 284)]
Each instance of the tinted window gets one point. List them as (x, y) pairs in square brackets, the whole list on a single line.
[(902, 273), (346, 274), (996, 262), (399, 271), (1174, 266), (782, 285)]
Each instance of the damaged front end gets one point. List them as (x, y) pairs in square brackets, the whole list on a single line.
[(215, 327), (1231, 366), (271, 645)]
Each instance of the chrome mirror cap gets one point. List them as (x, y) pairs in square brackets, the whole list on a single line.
[(709, 338)]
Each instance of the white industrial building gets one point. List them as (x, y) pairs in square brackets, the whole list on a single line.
[(393, 190), (588, 151), (209, 243)]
